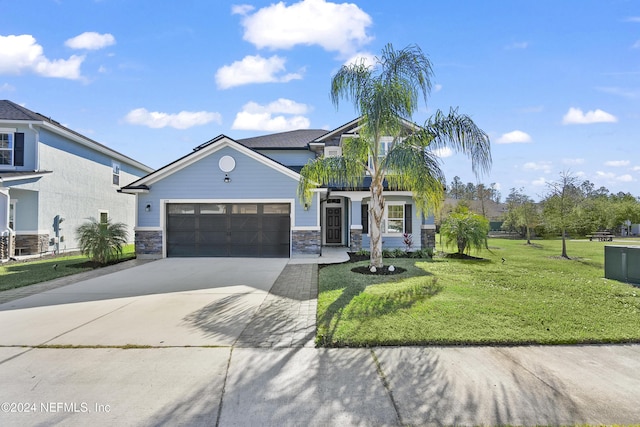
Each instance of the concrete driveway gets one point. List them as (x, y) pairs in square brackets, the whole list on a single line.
[(169, 302)]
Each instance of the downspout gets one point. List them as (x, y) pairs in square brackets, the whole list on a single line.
[(37, 153)]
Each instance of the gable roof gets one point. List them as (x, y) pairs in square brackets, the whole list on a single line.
[(295, 139), (12, 112), (200, 152)]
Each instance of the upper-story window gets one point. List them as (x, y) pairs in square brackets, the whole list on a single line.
[(332, 151), (11, 147), (116, 173), (6, 148)]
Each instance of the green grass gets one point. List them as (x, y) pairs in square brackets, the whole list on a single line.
[(534, 297), (18, 274)]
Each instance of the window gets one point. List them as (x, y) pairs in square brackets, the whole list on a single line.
[(6, 148), (332, 151), (12, 215), (385, 145), (104, 217), (394, 219), (116, 173)]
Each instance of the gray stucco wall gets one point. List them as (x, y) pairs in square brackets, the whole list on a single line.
[(80, 187)]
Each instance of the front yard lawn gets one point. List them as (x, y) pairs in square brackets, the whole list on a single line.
[(533, 297), (24, 273)]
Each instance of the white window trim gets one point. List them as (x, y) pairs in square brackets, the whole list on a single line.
[(100, 212), (115, 164), (385, 219), (11, 132), (13, 205)]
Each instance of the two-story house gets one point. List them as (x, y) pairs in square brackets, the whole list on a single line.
[(52, 179), (239, 198)]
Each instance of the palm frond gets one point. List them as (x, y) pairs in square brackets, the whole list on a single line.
[(462, 135)]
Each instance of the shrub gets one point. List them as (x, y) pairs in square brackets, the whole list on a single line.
[(102, 242)]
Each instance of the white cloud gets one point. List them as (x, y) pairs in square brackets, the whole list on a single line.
[(335, 27), (636, 45), (617, 163), (437, 88), (241, 9), (443, 152), (626, 93), (536, 166), (91, 41), (369, 59), (278, 116), (515, 137), (633, 19), (181, 120), (540, 182), (517, 45), (612, 177), (6, 87), (572, 162), (636, 169), (21, 53), (577, 116), (254, 69)]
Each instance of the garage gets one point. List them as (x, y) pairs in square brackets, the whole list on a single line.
[(228, 230)]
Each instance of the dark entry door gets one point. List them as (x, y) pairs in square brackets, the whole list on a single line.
[(218, 230), (334, 225)]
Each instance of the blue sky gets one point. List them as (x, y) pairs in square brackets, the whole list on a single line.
[(556, 84)]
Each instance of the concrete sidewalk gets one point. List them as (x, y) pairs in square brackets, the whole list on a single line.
[(230, 343)]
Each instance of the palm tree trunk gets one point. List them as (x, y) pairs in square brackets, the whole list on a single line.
[(375, 229)]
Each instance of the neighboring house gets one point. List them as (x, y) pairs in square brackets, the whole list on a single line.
[(52, 179), (239, 198)]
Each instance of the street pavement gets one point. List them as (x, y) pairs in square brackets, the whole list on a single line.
[(229, 342)]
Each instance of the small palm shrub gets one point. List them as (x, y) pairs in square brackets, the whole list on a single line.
[(466, 230), (102, 242)]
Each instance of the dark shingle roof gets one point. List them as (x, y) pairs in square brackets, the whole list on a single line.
[(12, 111), (292, 139)]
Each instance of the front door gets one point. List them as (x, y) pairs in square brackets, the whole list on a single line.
[(334, 225)]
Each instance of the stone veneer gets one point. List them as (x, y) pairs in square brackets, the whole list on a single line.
[(428, 236), (149, 244), (355, 239), (306, 242), (32, 244), (7, 242)]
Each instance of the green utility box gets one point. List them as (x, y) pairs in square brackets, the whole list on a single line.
[(622, 263)]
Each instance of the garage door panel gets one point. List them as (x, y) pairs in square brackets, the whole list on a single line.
[(252, 230)]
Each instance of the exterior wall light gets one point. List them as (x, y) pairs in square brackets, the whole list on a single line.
[(148, 207), (226, 178)]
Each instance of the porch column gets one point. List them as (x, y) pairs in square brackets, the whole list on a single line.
[(355, 230), (5, 232)]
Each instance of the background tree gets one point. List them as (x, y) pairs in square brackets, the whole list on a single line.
[(522, 213), (456, 189), (102, 242), (561, 206), (386, 96), (466, 229)]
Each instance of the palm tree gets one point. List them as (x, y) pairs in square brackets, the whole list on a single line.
[(102, 241), (466, 230), (386, 95)]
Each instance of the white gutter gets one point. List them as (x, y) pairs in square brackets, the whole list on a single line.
[(37, 146)]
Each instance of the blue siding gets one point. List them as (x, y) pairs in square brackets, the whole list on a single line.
[(393, 242), (289, 157), (71, 147), (203, 179)]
